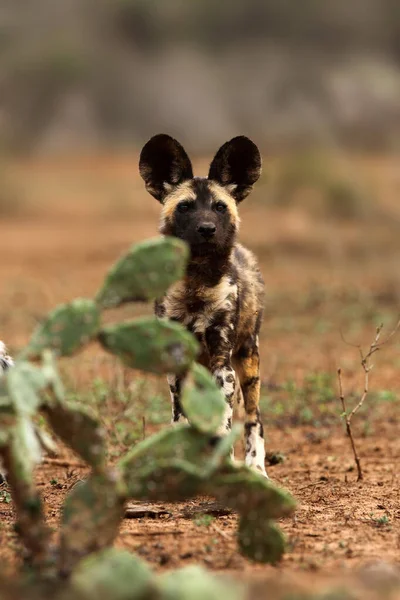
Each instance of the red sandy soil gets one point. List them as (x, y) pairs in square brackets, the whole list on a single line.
[(330, 281)]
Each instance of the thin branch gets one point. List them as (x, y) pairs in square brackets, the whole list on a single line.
[(152, 533), (222, 533), (348, 343), (348, 428), (57, 462), (391, 334), (367, 367)]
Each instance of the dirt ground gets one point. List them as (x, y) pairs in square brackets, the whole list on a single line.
[(330, 280)]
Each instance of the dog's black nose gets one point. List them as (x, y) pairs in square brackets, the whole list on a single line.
[(207, 230)]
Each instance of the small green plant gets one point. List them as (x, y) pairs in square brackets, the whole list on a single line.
[(5, 496), (380, 522), (204, 520), (173, 465)]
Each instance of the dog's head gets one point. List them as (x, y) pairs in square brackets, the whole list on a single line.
[(201, 211)]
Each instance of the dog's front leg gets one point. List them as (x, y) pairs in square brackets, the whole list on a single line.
[(219, 343)]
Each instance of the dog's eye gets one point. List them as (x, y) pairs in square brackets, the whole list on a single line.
[(220, 207), (183, 207)]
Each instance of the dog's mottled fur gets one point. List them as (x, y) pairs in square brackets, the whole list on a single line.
[(221, 297)]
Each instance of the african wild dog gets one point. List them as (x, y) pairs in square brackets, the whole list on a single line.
[(221, 297), (5, 360)]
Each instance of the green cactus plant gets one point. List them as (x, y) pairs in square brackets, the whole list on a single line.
[(173, 465)]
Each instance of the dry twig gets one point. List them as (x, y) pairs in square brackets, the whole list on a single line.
[(57, 462), (367, 367), (222, 533), (152, 533)]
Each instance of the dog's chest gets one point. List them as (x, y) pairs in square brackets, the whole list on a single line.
[(198, 308)]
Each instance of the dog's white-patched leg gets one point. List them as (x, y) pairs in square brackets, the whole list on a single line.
[(255, 446), (219, 337), (226, 380), (247, 364)]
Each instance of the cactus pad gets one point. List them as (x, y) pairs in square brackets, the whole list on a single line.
[(113, 574), (151, 344), (202, 400), (196, 583), (170, 465), (91, 518), (24, 382), (260, 539), (244, 490), (145, 272), (78, 427), (66, 329)]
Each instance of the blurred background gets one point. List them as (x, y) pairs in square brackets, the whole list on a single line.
[(84, 74)]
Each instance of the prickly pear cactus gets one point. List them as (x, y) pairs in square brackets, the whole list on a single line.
[(185, 461), (173, 465)]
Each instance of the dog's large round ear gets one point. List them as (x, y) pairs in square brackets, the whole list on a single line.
[(237, 164), (163, 165)]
